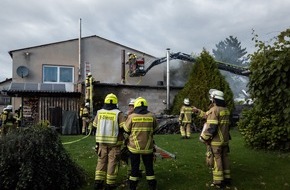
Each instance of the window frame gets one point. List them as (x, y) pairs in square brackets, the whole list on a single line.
[(58, 77)]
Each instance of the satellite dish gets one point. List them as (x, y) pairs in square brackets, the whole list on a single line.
[(22, 71)]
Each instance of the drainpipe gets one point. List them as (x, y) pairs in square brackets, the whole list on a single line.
[(123, 67)]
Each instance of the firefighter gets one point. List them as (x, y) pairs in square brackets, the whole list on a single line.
[(85, 115), (109, 123), (132, 62), (7, 120), (130, 106), (140, 126), (18, 116), (185, 119), (125, 152), (89, 86), (216, 136)]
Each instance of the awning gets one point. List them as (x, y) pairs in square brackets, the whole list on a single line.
[(40, 90)]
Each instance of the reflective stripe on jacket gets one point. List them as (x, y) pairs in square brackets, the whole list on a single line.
[(186, 114), (107, 126), (217, 126), (7, 117), (141, 128)]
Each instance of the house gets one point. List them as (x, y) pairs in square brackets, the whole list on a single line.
[(59, 63), (48, 79)]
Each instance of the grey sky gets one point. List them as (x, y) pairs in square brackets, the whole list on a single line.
[(147, 25)]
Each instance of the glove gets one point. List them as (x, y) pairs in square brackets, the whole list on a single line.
[(195, 110), (154, 149), (124, 155), (97, 148), (126, 141)]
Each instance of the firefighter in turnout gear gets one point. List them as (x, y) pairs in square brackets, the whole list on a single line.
[(216, 136), (8, 120), (140, 126), (89, 86), (109, 123), (131, 107), (85, 115), (185, 119), (132, 58), (18, 116)]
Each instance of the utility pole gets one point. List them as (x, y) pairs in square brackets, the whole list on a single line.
[(168, 80), (80, 54)]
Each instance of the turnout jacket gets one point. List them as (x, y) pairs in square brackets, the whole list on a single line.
[(109, 124), (185, 114), (141, 128), (217, 126)]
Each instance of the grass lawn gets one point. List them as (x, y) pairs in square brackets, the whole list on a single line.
[(250, 169)]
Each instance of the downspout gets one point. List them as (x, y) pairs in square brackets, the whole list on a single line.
[(123, 81)]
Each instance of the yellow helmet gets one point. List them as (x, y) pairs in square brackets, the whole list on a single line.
[(140, 102), (111, 99)]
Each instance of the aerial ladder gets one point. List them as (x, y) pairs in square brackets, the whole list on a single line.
[(141, 71)]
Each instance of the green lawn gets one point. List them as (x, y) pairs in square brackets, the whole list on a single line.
[(251, 170)]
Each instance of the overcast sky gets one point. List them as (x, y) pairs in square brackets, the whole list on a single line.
[(150, 26)]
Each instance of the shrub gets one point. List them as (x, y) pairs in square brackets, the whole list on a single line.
[(262, 131), (34, 158), (267, 125)]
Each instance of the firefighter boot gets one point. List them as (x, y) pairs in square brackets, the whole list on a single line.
[(227, 183), (99, 185), (132, 184), (152, 184)]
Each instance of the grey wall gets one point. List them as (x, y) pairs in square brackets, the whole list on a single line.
[(153, 94)]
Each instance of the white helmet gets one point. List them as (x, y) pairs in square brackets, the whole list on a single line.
[(131, 103), (186, 101), (9, 107), (87, 104), (89, 74), (216, 94)]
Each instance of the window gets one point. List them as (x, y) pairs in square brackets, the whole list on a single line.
[(5, 100), (57, 74)]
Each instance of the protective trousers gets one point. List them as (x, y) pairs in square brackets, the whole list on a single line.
[(221, 169), (85, 125), (185, 130), (148, 163), (7, 127), (108, 164)]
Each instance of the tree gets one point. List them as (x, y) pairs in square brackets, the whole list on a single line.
[(204, 76), (267, 125), (230, 51)]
